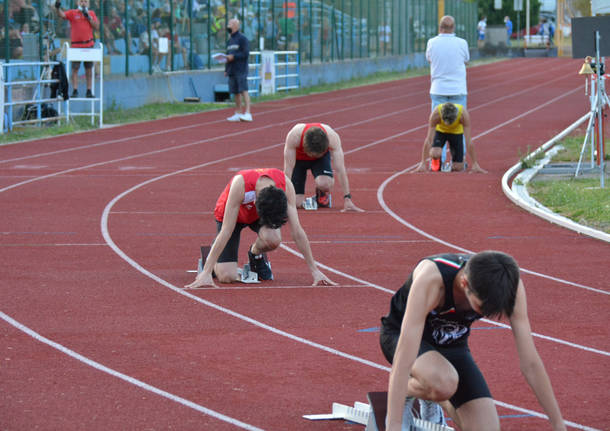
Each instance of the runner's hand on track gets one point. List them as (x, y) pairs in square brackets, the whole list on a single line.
[(320, 279), (477, 169), (422, 167), (348, 205), (202, 280)]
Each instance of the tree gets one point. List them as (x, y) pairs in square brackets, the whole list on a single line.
[(496, 17)]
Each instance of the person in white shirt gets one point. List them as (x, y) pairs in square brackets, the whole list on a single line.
[(448, 56), (481, 26)]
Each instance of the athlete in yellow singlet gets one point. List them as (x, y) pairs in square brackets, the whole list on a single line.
[(449, 123)]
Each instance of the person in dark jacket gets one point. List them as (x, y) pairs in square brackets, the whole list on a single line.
[(236, 69)]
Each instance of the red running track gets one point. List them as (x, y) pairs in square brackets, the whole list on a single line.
[(100, 228)]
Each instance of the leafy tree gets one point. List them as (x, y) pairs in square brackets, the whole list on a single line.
[(496, 17)]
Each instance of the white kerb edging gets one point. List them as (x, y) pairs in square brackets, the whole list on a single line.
[(515, 194)]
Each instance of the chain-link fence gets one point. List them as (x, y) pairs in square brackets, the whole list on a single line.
[(320, 30)]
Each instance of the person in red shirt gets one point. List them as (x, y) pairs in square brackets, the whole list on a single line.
[(312, 147), (263, 200), (82, 23)]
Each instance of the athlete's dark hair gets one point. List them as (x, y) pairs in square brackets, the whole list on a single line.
[(494, 277), (272, 207), (449, 113), (315, 141)]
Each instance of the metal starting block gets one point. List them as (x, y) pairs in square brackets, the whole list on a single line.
[(378, 408), (358, 414), (373, 415), (245, 275), (310, 204)]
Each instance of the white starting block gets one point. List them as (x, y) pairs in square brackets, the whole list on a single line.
[(358, 414), (246, 276), (310, 204), (378, 408), (373, 415)]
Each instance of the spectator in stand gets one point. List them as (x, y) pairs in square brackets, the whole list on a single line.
[(19, 13), (149, 44), (24, 13), (82, 23), (481, 26), (385, 36), (113, 29), (178, 48), (286, 30), (15, 43), (509, 29), (270, 30), (139, 22)]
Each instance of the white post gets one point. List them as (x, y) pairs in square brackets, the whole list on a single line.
[(527, 21)]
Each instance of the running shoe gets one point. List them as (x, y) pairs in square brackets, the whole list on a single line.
[(234, 118), (435, 165), (431, 412), (261, 265), (246, 117), (324, 199)]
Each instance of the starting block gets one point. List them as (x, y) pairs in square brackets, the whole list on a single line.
[(310, 204), (358, 414), (245, 275), (378, 406)]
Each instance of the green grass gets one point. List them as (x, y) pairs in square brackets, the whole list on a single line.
[(579, 199)]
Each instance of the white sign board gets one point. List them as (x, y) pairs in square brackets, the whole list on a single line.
[(267, 72), (518, 5)]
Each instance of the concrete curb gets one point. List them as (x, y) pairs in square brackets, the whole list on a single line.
[(517, 191)]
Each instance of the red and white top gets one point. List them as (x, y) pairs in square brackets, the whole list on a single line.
[(301, 154), (81, 32), (247, 210)]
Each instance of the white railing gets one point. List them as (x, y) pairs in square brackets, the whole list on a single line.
[(25, 78), (287, 74)]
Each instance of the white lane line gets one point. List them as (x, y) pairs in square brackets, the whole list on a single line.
[(377, 100), (127, 378), (260, 324)]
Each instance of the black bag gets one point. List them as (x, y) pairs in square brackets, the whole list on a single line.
[(61, 87), (46, 111)]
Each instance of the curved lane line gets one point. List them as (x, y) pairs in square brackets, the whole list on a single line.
[(127, 378)]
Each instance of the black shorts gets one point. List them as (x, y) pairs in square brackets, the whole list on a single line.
[(231, 250), (238, 84), (455, 144), (319, 166), (471, 385), (76, 64)]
